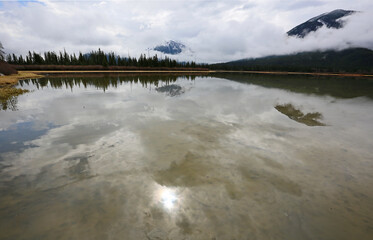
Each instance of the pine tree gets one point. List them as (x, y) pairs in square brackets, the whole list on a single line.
[(1, 52), (97, 58), (37, 59), (14, 59), (21, 60), (29, 59), (66, 58), (9, 58), (60, 59), (74, 60), (81, 59)]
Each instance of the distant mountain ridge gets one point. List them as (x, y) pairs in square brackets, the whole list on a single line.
[(350, 60), (353, 60), (330, 20), (170, 47)]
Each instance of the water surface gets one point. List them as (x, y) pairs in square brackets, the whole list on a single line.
[(187, 157)]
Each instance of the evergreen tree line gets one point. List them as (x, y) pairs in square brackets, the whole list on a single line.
[(96, 58)]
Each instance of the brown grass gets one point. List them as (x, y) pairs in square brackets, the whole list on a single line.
[(6, 68), (8, 93), (11, 80), (8, 97)]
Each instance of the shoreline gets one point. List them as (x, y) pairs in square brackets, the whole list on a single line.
[(113, 71), (8, 89), (200, 71), (298, 73), (11, 80)]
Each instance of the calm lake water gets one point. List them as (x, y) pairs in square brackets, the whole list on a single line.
[(224, 156)]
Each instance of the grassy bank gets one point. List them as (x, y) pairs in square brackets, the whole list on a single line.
[(11, 80), (8, 97), (8, 93)]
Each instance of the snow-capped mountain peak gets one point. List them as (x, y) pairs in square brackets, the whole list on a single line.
[(330, 20), (171, 47)]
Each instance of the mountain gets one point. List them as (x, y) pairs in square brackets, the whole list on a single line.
[(349, 60), (171, 47), (330, 20)]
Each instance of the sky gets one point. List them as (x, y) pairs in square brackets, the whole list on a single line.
[(214, 31)]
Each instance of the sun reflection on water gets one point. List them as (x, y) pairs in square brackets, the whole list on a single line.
[(167, 197)]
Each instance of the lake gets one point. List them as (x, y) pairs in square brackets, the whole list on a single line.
[(219, 156)]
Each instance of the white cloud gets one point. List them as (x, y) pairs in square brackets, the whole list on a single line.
[(216, 30)]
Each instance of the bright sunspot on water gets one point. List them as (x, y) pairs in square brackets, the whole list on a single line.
[(168, 198)]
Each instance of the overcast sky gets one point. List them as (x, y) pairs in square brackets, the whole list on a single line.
[(215, 30)]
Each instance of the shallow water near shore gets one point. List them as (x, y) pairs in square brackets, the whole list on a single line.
[(187, 157)]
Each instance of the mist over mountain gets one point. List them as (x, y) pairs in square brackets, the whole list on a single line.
[(333, 57), (221, 32), (175, 50), (330, 20), (358, 60), (171, 47)]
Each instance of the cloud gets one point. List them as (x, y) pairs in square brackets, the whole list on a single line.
[(215, 30), (296, 5)]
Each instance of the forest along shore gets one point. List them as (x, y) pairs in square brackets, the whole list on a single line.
[(297, 73), (11, 80), (201, 71)]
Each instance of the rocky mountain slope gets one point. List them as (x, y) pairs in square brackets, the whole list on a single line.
[(330, 20)]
